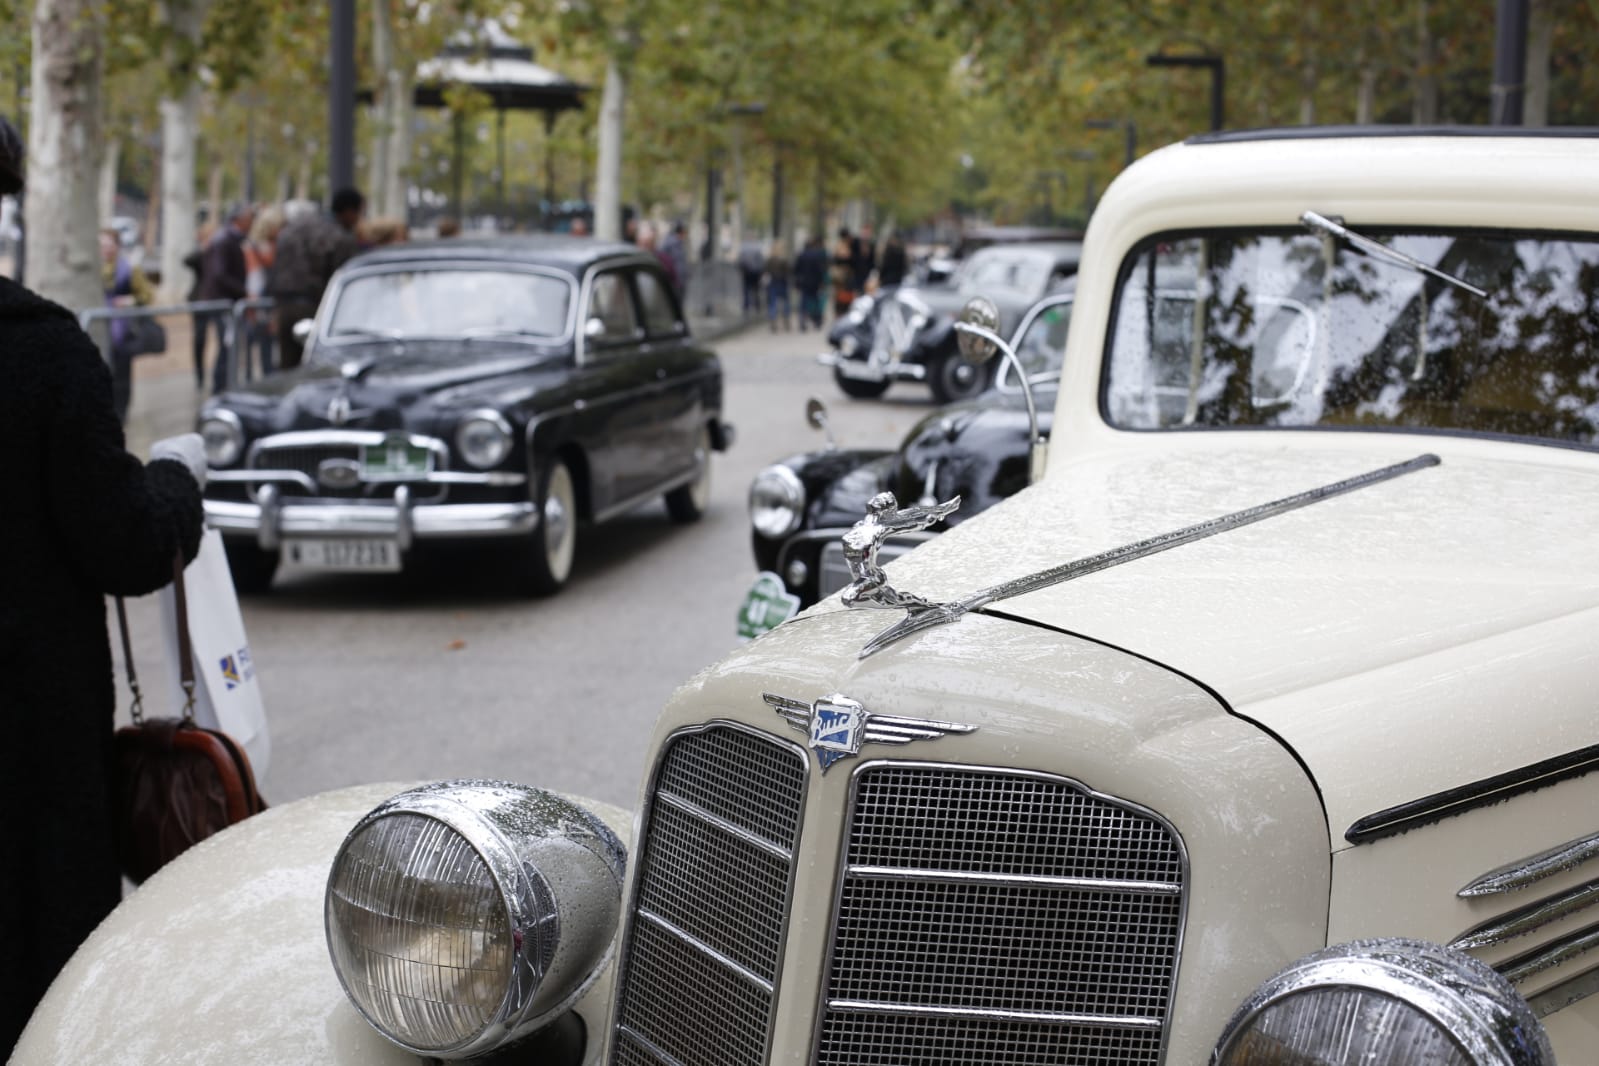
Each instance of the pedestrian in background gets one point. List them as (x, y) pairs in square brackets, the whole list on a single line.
[(377, 232), (675, 249), (891, 271), (810, 274), (125, 286), (309, 251), (644, 234), (751, 264), (778, 272), (199, 324), (862, 259), (843, 272), (83, 519), (449, 226), (260, 253), (223, 277)]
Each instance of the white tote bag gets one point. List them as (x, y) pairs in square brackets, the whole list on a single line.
[(227, 692)]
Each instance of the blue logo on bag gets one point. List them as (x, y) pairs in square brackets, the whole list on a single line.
[(230, 672)]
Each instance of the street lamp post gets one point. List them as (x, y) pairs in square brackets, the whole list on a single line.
[(341, 96), (1510, 63), (1218, 78), (1129, 131)]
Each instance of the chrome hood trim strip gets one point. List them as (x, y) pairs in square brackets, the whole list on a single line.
[(1523, 872)]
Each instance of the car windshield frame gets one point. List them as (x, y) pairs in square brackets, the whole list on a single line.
[(325, 315), (1134, 257)]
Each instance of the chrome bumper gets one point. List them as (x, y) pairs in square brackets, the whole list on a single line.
[(871, 370), (269, 520)]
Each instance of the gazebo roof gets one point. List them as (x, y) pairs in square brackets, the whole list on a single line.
[(496, 64)]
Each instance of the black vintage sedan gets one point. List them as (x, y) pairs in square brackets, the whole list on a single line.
[(801, 506), (507, 390)]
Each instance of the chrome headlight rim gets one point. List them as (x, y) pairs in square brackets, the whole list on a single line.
[(225, 449), (786, 485), (1467, 1000), (475, 812), (484, 416)]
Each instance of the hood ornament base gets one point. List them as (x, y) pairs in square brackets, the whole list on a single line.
[(922, 614)]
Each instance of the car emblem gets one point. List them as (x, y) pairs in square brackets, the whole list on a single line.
[(339, 473), (837, 726), (339, 409)]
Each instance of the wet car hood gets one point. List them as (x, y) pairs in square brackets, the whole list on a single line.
[(1365, 630), (381, 383)]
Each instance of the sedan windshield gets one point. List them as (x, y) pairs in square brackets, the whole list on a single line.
[(451, 302), (1301, 329)]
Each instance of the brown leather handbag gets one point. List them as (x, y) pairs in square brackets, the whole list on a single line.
[(176, 782)]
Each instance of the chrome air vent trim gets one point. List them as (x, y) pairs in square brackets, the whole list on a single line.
[(1527, 919), (707, 920), (1523, 872), (1548, 956), (1567, 992), (1103, 999)]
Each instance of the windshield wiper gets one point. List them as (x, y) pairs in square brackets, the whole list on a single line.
[(479, 332), (1324, 225), (365, 331)]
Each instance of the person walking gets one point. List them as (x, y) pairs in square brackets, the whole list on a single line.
[(224, 277), (309, 251), (843, 273), (260, 253), (892, 269), (751, 264), (862, 259), (125, 286), (83, 519), (778, 272), (810, 274), (199, 322), (675, 251)]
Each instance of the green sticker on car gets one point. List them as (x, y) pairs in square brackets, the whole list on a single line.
[(767, 605)]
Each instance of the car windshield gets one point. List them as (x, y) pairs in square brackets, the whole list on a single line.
[(451, 302), (1300, 329), (1009, 269)]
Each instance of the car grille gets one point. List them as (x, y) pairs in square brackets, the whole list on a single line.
[(1000, 917), (833, 572), (308, 459), (709, 913)]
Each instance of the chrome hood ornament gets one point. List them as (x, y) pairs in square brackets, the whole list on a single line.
[(871, 588), (884, 518), (837, 726)]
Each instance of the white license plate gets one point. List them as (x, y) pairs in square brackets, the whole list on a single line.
[(347, 555)]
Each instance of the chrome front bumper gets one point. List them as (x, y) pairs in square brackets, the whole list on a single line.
[(872, 370), (269, 519)]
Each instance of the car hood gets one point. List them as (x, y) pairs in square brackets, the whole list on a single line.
[(1390, 635), (378, 383)]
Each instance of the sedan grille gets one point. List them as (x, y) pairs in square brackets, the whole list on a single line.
[(308, 460), (706, 932), (988, 916)]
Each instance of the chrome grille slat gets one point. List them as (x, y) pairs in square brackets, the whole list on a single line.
[(705, 938), (993, 916), (308, 458)]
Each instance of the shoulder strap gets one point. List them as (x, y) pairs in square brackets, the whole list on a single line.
[(137, 709)]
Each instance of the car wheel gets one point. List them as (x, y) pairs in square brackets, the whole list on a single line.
[(687, 503), (548, 560), (252, 568), (861, 390), (953, 378)]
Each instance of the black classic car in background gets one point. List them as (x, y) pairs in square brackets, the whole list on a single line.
[(906, 333), (979, 450), (460, 390)]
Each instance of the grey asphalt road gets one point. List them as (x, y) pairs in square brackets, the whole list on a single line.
[(442, 673)]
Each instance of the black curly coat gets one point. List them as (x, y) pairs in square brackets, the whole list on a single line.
[(79, 518)]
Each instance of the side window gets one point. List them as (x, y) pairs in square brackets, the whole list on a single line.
[(611, 304), (660, 310)]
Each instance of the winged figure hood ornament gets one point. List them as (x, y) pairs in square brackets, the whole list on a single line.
[(884, 518)]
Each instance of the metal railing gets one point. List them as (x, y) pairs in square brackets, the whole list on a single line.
[(240, 343)]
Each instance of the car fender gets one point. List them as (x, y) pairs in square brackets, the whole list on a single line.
[(221, 957)]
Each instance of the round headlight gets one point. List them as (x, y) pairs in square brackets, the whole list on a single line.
[(465, 914), (1385, 1003), (777, 502), (849, 344), (483, 439), (223, 434)]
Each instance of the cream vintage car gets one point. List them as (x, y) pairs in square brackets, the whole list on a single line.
[(1262, 729)]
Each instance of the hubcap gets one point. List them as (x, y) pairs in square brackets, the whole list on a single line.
[(558, 522)]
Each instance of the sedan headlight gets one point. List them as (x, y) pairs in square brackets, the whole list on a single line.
[(859, 308), (777, 502), (483, 439), (1385, 1003), (223, 434), (464, 914)]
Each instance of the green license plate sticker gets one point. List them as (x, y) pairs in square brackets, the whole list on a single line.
[(395, 458), (767, 605)]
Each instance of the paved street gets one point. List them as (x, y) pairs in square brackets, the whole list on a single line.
[(441, 673)]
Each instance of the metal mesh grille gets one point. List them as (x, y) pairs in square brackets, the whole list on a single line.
[(307, 459), (715, 871), (991, 917)]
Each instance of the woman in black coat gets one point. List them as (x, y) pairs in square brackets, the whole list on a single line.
[(79, 518)]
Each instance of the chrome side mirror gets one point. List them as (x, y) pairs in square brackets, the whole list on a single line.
[(302, 329), (978, 339), (594, 328), (816, 416), (979, 342)]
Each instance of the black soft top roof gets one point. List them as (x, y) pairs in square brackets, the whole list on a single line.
[(1316, 133)]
